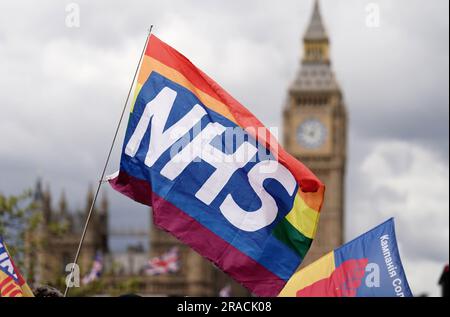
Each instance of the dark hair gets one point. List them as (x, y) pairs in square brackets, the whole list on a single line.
[(46, 291), (129, 295)]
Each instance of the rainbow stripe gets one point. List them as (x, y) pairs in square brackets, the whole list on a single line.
[(246, 256)]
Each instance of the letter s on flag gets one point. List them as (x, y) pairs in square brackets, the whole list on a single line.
[(264, 216)]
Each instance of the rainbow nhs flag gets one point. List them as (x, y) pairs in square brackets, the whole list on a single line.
[(214, 175)]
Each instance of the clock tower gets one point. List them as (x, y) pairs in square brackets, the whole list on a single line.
[(315, 131)]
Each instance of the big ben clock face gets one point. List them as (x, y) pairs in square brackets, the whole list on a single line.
[(311, 134)]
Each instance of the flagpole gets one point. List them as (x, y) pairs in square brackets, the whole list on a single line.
[(88, 219)]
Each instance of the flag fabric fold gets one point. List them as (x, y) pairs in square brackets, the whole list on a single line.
[(368, 266), (215, 176), (12, 284)]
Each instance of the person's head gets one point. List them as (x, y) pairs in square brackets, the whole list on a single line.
[(46, 291)]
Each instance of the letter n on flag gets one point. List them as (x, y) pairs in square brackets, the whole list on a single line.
[(214, 175)]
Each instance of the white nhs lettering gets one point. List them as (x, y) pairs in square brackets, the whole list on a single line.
[(157, 112), (5, 261)]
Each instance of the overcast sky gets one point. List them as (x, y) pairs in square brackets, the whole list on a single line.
[(62, 89)]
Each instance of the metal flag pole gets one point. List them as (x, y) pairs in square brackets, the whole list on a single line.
[(88, 219)]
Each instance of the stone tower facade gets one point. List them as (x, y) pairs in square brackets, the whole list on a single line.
[(53, 244), (315, 124)]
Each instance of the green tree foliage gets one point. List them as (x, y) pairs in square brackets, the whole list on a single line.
[(18, 216)]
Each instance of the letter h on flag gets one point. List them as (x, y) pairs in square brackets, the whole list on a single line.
[(214, 175)]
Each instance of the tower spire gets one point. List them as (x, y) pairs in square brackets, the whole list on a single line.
[(38, 193), (315, 40), (63, 203), (316, 31), (315, 74)]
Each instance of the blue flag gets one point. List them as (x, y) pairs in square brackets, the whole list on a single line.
[(368, 266)]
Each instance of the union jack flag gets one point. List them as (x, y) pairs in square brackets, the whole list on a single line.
[(12, 283), (169, 262), (96, 271)]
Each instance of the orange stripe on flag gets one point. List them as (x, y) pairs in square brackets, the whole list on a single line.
[(313, 199), (150, 65)]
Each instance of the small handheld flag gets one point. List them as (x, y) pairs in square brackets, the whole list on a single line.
[(166, 263), (12, 283), (214, 175), (368, 266), (225, 291), (96, 271)]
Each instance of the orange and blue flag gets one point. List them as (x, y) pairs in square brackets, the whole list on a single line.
[(215, 176), (12, 283), (368, 266)]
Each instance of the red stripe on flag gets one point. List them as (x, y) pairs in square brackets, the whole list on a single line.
[(5, 281), (173, 59), (8, 289), (16, 292)]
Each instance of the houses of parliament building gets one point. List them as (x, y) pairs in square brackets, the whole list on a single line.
[(315, 124)]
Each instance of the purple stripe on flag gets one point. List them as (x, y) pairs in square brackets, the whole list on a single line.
[(132, 187)]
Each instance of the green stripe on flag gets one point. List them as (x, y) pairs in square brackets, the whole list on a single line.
[(286, 233)]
